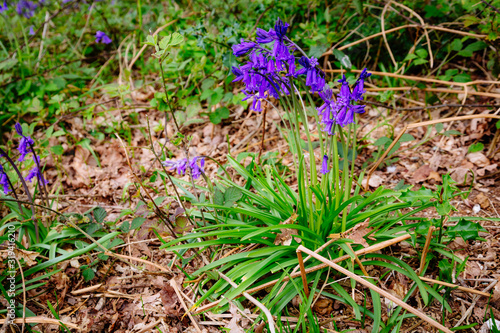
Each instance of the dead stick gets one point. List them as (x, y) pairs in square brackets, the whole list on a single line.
[(42, 320), (369, 285), (177, 291), (370, 249), (470, 290), (426, 249), (303, 273), (263, 132), (360, 264)]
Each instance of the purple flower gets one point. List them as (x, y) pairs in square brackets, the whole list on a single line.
[(342, 110), (19, 129), (324, 165), (314, 77), (101, 37), (4, 7), (4, 181), (35, 172), (31, 31), (24, 148), (181, 165), (280, 28), (242, 48), (357, 92), (26, 8)]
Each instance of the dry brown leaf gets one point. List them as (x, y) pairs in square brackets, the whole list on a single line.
[(170, 301), (478, 159), (233, 324), (482, 200), (422, 173), (358, 233), (375, 181), (324, 306), (286, 235)]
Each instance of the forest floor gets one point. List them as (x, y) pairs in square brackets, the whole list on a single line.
[(122, 298)]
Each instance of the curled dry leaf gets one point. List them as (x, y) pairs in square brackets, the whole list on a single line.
[(324, 306), (170, 301), (478, 159)]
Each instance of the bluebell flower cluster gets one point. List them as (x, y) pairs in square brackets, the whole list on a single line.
[(271, 64), (101, 37), (26, 8), (341, 111), (25, 147), (4, 181), (3, 7), (25, 143), (196, 165), (268, 73)]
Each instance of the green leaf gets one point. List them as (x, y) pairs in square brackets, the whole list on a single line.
[(58, 150), (468, 230), (475, 147), (125, 226), (137, 222), (150, 40), (218, 197), (99, 214), (422, 53), (207, 84), (452, 132), (439, 127), (232, 195), (219, 114), (358, 4), (343, 58), (88, 274), (170, 40), (382, 141), (406, 137), (85, 143), (456, 45), (462, 78)]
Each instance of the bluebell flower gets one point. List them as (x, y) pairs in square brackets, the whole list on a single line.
[(4, 7), (242, 48), (26, 8), (324, 165), (19, 129), (314, 77), (4, 181), (342, 110), (35, 172), (101, 37), (25, 145), (181, 165), (357, 92)]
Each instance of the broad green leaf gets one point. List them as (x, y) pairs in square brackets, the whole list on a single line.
[(99, 214), (476, 147)]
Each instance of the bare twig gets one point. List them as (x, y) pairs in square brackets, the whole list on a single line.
[(371, 286)]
